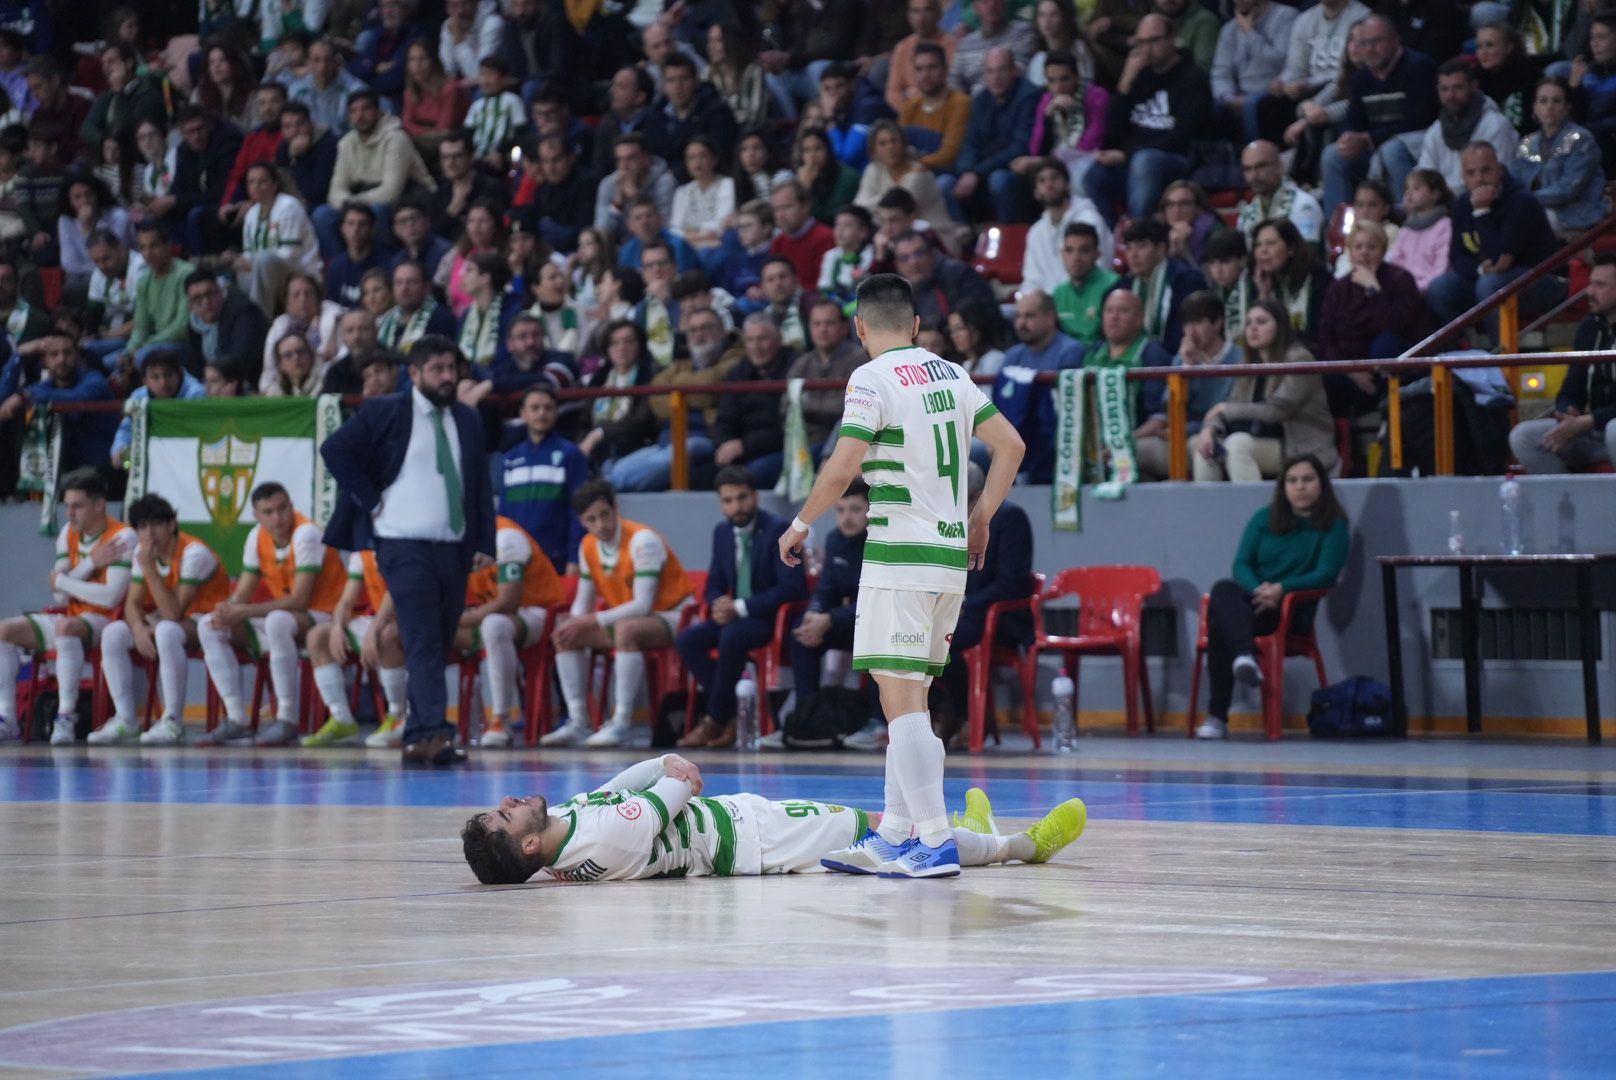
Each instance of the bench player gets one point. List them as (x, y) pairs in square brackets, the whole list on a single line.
[(176, 580), (362, 624), (90, 578), (303, 579), (506, 605), (907, 423), (630, 566), (657, 807)]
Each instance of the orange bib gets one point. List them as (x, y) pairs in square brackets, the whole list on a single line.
[(617, 587), (540, 585), (99, 577), (278, 574), (375, 587), (209, 593)]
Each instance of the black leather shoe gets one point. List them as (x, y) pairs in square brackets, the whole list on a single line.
[(439, 752)]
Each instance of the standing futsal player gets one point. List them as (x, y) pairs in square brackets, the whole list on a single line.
[(415, 487), (907, 422)]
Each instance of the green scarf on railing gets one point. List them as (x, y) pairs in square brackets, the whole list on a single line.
[(1114, 408), (797, 474)]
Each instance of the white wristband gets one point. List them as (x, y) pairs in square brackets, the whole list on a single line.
[(799, 524)]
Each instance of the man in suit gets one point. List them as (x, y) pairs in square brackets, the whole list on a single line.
[(745, 588), (391, 460)]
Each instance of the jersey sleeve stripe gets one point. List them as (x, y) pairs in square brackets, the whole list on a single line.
[(882, 466), (724, 857), (853, 431), (897, 554), (986, 412), (892, 436), (889, 493), (656, 801), (882, 520)]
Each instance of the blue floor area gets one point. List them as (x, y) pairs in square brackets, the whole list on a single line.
[(1570, 807), (1515, 1026)]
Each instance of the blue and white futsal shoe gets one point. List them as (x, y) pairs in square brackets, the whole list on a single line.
[(919, 860), (866, 855)]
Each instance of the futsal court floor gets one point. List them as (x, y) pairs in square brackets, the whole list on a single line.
[(1243, 910)]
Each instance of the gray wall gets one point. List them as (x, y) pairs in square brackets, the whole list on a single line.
[(1189, 532)]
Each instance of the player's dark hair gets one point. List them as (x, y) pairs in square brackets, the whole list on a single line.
[(87, 480), (150, 509), (495, 857), (886, 302), (268, 490), (591, 492), (734, 476)]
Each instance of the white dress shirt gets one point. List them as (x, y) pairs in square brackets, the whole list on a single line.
[(414, 506)]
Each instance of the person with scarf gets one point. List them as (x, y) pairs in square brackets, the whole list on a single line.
[(482, 326), (619, 425), (1191, 221), (784, 303), (1069, 121), (848, 263), (1275, 195), (1160, 281), (415, 313), (1229, 279), (1205, 344), (1125, 344), (1467, 116), (1284, 269), (1421, 245), (1559, 163), (277, 240)]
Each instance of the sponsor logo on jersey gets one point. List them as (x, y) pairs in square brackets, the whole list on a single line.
[(901, 638), (630, 810)]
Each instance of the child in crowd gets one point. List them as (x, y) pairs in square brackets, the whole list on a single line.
[(1372, 201), (1421, 246), (495, 117), (848, 263)]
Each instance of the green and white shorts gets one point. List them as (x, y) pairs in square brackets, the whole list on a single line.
[(44, 625), (796, 833), (904, 633)]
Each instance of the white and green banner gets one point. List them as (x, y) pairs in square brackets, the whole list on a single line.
[(206, 456), (1113, 400), (797, 475), (1066, 487)]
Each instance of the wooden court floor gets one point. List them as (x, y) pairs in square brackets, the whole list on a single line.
[(1429, 908)]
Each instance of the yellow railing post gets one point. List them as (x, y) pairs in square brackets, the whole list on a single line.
[(679, 419), (1178, 404), (1509, 326), (1442, 408), (1394, 420)]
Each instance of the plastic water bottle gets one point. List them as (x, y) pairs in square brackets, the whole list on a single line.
[(746, 713), (1509, 509), (1065, 692), (1455, 534)]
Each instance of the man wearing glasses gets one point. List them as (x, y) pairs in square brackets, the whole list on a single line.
[(1277, 195), (1163, 101)]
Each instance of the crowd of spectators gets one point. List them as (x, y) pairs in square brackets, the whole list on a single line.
[(281, 197)]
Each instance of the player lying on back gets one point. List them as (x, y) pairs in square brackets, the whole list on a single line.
[(651, 821)]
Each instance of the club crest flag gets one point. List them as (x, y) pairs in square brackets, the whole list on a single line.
[(206, 457)]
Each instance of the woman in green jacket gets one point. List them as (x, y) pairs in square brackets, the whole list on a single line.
[(1298, 542)]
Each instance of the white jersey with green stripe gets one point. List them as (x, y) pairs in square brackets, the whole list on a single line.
[(660, 832), (917, 411)]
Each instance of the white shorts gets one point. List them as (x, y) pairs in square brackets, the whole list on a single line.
[(904, 633), (795, 833), (356, 629), (257, 639), (44, 624), (529, 625)]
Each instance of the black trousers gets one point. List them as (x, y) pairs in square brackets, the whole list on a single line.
[(717, 678), (427, 580), (1231, 626)]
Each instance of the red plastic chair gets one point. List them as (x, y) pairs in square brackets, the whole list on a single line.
[(1272, 650), (765, 658), (1111, 605), (537, 659), (984, 658), (1000, 250)]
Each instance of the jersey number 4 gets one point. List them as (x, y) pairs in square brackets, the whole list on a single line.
[(948, 456)]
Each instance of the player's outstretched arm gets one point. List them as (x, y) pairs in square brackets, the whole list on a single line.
[(1005, 443), (835, 474)]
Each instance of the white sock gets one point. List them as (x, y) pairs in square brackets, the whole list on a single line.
[(980, 849), (573, 667), (280, 628), (896, 824), (499, 646), (173, 668), (916, 757), (1019, 848), (627, 679), (334, 691), (220, 657), (69, 669), (395, 689), (10, 663), (116, 642)]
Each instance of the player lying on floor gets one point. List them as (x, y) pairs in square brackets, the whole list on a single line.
[(651, 821)]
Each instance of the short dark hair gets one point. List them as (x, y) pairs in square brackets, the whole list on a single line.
[(773, 260), (495, 857), (365, 94), (631, 138), (1457, 66), (837, 71), (297, 108), (931, 48), (591, 492), (163, 358), (679, 60), (495, 268), (1050, 164), (200, 277), (495, 62), (103, 238), (1082, 229), (1604, 258), (1146, 230), (430, 345), (886, 302), (734, 476), (377, 357), (460, 136), (268, 490), (1201, 306), (150, 225), (354, 206), (150, 509), (898, 199), (544, 388), (87, 480), (1226, 245), (1060, 58), (854, 210), (858, 487)]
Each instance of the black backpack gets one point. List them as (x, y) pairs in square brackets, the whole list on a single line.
[(830, 716), (45, 709), (1351, 708)]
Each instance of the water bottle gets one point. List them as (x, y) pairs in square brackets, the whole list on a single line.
[(1509, 508), (1455, 534), (746, 713), (1065, 692)]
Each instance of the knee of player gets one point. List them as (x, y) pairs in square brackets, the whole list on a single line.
[(168, 631), (71, 626)]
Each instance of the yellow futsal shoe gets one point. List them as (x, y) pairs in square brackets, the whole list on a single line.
[(1059, 828), (334, 732), (978, 816)]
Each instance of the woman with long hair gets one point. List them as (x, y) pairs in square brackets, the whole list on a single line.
[(433, 103), (154, 175), (1055, 22), (701, 206), (831, 185), (376, 292), (115, 166), (1559, 163), (973, 329), (1265, 419), (894, 164), (553, 305), (277, 239), (1320, 115), (297, 372), (484, 234), (87, 205), (595, 257), (1296, 543), (306, 312), (482, 326), (733, 70), (757, 167), (226, 87), (620, 425), (1283, 270)]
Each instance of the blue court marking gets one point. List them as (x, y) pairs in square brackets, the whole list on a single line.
[(1528, 806), (1480, 1029)]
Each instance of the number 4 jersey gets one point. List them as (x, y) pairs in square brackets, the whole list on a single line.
[(917, 411)]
